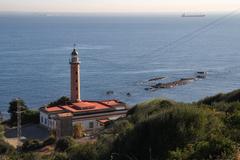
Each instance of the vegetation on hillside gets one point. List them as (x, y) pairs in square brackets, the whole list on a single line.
[(160, 130), (233, 96)]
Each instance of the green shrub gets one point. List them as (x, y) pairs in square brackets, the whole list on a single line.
[(30, 116), (51, 140), (63, 144), (167, 130), (145, 110), (5, 148), (31, 145), (61, 101), (121, 127), (60, 156), (83, 152), (211, 148), (233, 120), (24, 156)]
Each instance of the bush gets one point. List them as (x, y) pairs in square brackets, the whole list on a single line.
[(212, 148), (233, 120), (5, 148), (31, 145), (167, 130), (83, 152), (63, 144), (121, 127), (143, 111), (24, 156), (30, 116), (51, 140), (60, 156), (61, 101)]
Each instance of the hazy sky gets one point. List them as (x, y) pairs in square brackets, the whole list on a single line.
[(118, 5)]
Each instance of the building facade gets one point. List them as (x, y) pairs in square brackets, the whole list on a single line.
[(90, 114)]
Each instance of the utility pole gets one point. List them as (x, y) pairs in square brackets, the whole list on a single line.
[(150, 153), (19, 127)]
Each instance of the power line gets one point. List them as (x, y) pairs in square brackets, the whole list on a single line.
[(193, 34)]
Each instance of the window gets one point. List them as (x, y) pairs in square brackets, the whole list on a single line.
[(45, 120), (76, 80), (91, 124), (76, 88)]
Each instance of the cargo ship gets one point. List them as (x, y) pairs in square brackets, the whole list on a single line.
[(193, 15)]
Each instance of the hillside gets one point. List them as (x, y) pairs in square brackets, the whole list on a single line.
[(221, 97), (163, 130)]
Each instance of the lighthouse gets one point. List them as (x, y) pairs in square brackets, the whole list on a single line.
[(75, 76), (92, 115)]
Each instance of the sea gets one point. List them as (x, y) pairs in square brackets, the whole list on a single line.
[(118, 53)]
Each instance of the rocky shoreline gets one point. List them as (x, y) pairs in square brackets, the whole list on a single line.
[(173, 84)]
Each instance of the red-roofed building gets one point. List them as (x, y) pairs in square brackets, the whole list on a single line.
[(91, 114), (88, 113)]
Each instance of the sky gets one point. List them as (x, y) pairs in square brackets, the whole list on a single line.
[(118, 5)]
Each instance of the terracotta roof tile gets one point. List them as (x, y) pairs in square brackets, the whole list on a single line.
[(53, 109)]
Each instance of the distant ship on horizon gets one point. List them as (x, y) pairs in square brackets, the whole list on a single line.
[(193, 15)]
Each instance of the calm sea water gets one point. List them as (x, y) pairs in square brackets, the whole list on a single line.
[(117, 53)]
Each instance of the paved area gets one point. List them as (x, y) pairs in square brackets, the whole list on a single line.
[(30, 131)]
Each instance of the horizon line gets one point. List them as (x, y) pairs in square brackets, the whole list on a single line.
[(108, 12)]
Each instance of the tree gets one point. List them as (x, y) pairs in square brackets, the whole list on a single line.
[(13, 109), (61, 101), (78, 130)]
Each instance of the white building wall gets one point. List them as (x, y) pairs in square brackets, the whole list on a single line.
[(44, 119), (87, 122), (52, 124)]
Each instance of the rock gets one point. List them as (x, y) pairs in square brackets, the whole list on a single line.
[(109, 92), (155, 79), (129, 94), (182, 81)]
